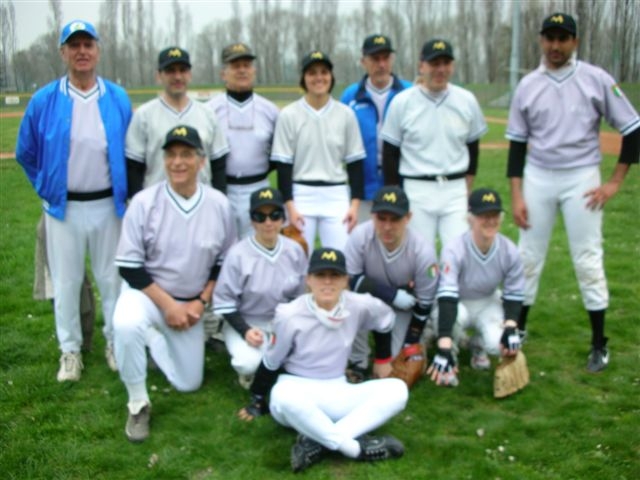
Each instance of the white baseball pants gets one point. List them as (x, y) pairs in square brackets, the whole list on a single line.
[(245, 359), (91, 225), (333, 411), (323, 209)]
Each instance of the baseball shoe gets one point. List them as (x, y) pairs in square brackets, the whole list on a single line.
[(598, 359), (373, 448), (111, 358), (480, 360), (70, 367), (245, 381), (137, 427), (305, 452), (355, 373)]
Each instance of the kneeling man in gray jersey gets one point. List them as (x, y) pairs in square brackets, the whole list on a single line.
[(174, 237), (306, 362), (481, 288)]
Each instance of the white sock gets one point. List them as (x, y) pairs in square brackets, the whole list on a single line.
[(138, 397)]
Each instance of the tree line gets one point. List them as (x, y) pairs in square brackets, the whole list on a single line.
[(281, 33)]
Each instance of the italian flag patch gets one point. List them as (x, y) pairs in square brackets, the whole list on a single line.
[(616, 90)]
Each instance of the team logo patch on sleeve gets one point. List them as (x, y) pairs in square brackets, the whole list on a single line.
[(432, 271), (616, 90)]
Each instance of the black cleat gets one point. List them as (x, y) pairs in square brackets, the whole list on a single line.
[(374, 448), (305, 452)]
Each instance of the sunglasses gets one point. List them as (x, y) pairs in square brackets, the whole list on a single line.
[(274, 216)]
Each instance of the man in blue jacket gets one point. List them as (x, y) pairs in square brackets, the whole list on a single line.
[(369, 99), (71, 147)]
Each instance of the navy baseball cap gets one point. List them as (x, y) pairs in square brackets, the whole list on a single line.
[(484, 200), (77, 26), (172, 55), (266, 196), (183, 134), (391, 199), (436, 47), (560, 21), (316, 57), (327, 259), (236, 51), (376, 43)]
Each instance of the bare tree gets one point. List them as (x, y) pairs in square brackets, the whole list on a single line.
[(8, 44)]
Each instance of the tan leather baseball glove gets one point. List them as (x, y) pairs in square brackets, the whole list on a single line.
[(410, 364), (511, 375)]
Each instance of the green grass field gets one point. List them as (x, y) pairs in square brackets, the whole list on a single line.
[(567, 424)]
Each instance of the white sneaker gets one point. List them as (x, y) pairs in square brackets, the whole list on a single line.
[(70, 367), (111, 358), (480, 360)]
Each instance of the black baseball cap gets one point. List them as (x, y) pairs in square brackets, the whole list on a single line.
[(172, 55), (183, 134), (484, 200), (266, 196), (436, 47), (316, 56), (236, 51), (391, 199), (77, 26), (327, 259), (560, 21), (376, 43)]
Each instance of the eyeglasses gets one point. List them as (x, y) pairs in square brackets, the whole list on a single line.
[(274, 216)]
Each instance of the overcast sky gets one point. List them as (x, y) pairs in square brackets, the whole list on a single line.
[(32, 16)]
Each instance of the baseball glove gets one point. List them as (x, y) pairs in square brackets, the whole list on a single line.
[(409, 365), (294, 234), (511, 375)]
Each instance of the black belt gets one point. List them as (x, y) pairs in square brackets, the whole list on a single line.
[(190, 299), (245, 180), (438, 178), (317, 183), (88, 196)]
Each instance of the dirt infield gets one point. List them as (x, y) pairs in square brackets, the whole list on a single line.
[(609, 141)]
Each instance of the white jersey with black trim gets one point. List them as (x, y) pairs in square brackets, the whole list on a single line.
[(558, 114), (149, 127), (433, 132), (178, 241), (317, 142), (254, 280), (248, 127), (413, 261), (468, 274), (306, 347)]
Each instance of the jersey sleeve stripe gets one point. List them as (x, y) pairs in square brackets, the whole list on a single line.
[(129, 263), (391, 140), (516, 137), (276, 157), (630, 127)]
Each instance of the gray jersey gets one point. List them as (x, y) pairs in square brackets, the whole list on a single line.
[(148, 129), (248, 127), (178, 241), (317, 142), (433, 132), (307, 348), (468, 274), (559, 116), (254, 280), (413, 261)]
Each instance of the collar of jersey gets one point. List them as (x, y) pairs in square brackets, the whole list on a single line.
[(437, 98), (388, 256), (173, 110), (563, 73), (186, 206), (372, 89), (271, 255), (84, 97), (322, 111), (481, 257)]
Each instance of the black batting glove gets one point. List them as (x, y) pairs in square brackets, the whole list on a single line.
[(510, 339), (443, 362)]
